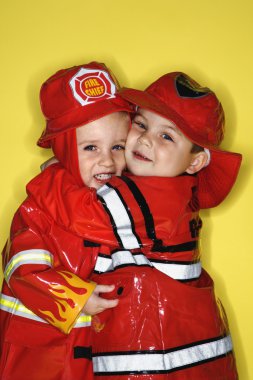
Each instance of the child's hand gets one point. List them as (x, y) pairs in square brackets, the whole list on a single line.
[(96, 304)]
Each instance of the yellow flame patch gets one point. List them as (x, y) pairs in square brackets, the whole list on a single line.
[(69, 302)]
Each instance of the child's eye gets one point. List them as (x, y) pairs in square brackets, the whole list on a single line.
[(139, 124), (118, 147), (165, 136), (90, 147)]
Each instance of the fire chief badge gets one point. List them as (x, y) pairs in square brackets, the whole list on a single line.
[(90, 85)]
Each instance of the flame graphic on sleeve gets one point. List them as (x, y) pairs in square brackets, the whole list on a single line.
[(69, 299)]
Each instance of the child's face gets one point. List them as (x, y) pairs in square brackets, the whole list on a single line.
[(156, 147), (101, 148)]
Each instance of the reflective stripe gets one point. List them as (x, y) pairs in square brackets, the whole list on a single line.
[(31, 256), (119, 258), (176, 270), (179, 271), (83, 321), (119, 214), (157, 362), (14, 306)]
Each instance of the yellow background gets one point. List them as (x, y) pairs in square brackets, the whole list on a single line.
[(140, 40)]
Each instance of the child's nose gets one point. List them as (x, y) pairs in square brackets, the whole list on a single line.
[(106, 159), (145, 139)]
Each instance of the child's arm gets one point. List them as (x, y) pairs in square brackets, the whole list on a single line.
[(79, 210), (125, 219), (37, 279), (55, 191)]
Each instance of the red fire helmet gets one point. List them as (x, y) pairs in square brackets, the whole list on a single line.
[(78, 95)]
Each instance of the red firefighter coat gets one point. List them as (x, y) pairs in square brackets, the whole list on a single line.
[(168, 324), (44, 333)]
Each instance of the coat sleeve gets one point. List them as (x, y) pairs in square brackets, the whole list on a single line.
[(34, 275), (129, 212), (83, 212)]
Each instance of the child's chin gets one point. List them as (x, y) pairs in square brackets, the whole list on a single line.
[(141, 173)]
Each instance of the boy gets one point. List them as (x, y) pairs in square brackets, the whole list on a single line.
[(161, 328), (47, 297)]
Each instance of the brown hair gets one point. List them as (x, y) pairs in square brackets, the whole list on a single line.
[(196, 148)]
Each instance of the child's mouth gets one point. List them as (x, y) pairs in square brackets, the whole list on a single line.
[(140, 156), (103, 177)]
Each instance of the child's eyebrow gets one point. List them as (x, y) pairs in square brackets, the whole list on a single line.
[(120, 141), (91, 142), (172, 128), (139, 114), (87, 142)]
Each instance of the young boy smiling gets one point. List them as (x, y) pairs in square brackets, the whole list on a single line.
[(97, 166), (156, 147), (47, 298)]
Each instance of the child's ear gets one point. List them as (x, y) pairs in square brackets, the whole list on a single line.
[(198, 162)]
